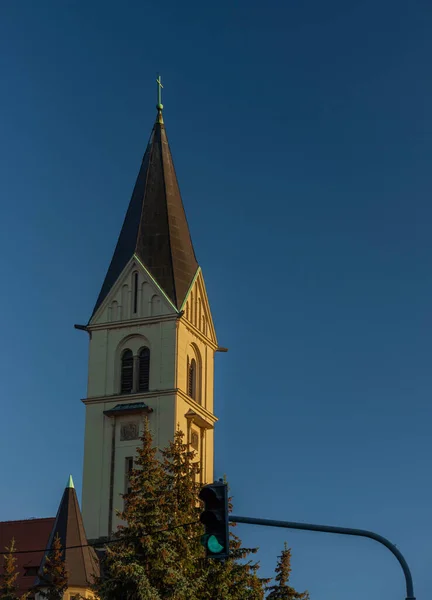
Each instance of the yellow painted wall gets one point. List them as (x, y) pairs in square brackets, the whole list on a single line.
[(70, 593), (171, 337)]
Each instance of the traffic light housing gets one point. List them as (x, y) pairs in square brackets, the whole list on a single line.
[(215, 520)]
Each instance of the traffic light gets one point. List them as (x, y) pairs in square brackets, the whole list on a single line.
[(215, 519)]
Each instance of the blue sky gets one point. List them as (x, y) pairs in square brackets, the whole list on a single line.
[(302, 138)]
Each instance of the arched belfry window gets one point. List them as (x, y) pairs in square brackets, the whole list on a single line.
[(192, 376), (143, 370), (126, 372)]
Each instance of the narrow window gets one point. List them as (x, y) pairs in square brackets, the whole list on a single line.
[(144, 370), (126, 372), (195, 472), (135, 292), (128, 469), (194, 440), (192, 378)]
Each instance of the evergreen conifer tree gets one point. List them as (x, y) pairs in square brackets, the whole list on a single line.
[(54, 579), (281, 590), (157, 554), (185, 530), (142, 563), (8, 581)]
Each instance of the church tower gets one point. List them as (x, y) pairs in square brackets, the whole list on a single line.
[(152, 342)]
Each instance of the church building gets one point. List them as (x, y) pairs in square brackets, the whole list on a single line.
[(151, 353)]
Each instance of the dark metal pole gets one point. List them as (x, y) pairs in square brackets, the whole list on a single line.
[(342, 530)]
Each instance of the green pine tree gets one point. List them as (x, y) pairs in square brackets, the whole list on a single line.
[(185, 531), (232, 579), (54, 579), (281, 590), (10, 574), (158, 554), (141, 564)]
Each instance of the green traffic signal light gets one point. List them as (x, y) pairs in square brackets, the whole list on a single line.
[(211, 543), (215, 519)]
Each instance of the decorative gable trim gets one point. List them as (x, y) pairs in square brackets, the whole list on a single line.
[(113, 291), (134, 261), (190, 288), (198, 287), (155, 283), (199, 334), (203, 291)]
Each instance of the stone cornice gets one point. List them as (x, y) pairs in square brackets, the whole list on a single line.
[(200, 410), (132, 322), (128, 398)]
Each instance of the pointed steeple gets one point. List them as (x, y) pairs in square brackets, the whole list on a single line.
[(155, 228), (81, 560)]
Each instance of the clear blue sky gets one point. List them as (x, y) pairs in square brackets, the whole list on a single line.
[(302, 138)]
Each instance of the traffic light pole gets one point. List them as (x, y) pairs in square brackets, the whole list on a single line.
[(342, 530)]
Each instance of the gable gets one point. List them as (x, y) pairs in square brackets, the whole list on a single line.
[(135, 295), (197, 308)]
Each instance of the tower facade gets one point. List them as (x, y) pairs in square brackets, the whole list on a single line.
[(152, 343)]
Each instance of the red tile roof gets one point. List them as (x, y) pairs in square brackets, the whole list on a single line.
[(30, 534)]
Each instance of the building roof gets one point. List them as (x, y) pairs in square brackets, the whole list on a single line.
[(80, 559), (30, 535), (155, 228)]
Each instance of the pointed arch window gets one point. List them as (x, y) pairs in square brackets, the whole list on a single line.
[(143, 369), (126, 372), (192, 375)]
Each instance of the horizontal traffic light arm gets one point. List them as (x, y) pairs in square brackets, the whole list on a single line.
[(341, 530)]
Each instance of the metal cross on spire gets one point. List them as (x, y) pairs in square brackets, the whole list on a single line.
[(159, 105)]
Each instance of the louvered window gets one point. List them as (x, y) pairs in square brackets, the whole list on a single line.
[(192, 378), (144, 370), (127, 372)]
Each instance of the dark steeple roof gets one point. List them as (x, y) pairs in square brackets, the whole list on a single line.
[(81, 562), (155, 227)]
